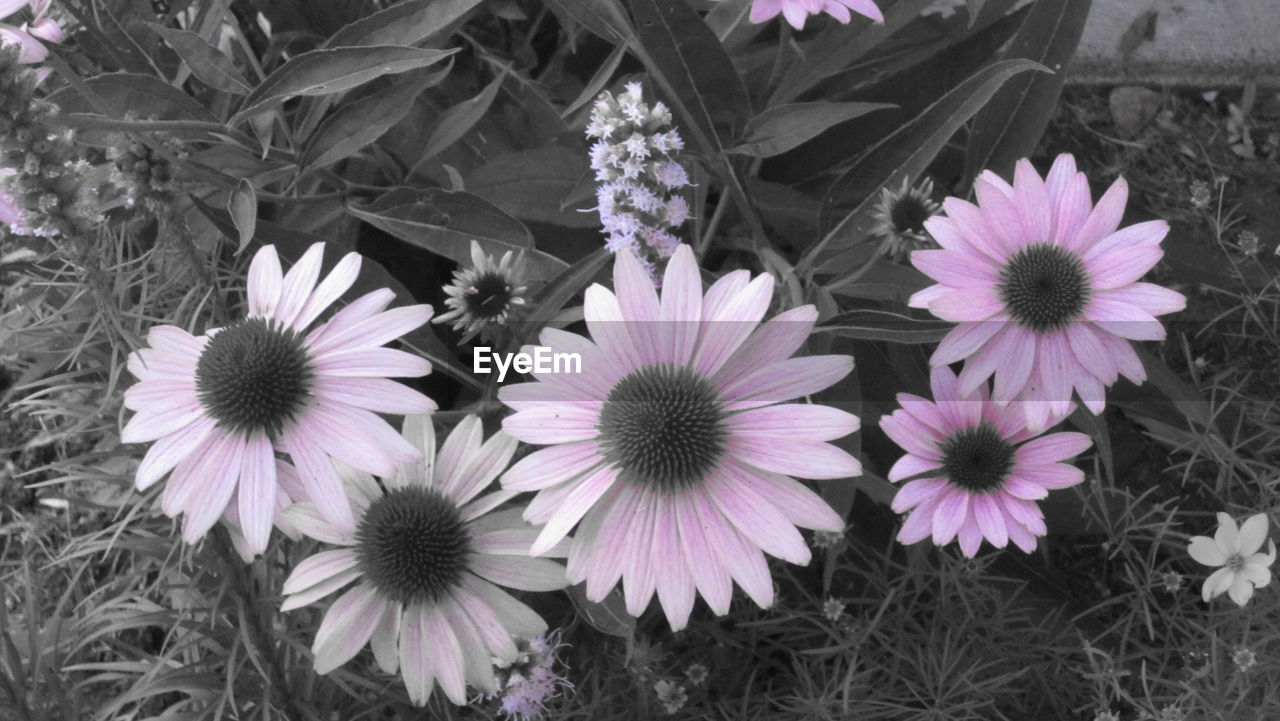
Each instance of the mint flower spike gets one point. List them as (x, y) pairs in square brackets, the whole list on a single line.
[(640, 182)]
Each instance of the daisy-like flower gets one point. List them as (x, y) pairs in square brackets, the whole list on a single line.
[(797, 11), (484, 295), (426, 554), (1238, 551), (672, 446), (900, 217), (219, 406), (27, 36), (982, 471), (1044, 289)]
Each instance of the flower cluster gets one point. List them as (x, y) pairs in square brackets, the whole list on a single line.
[(528, 682), (638, 196), (47, 188), (1044, 288), (142, 174)]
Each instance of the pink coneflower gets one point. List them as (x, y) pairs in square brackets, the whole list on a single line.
[(797, 11), (220, 405), (1044, 289), (27, 37), (982, 472), (427, 553), (670, 446)]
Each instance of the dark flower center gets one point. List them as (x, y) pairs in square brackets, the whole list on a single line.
[(977, 459), (1044, 287), (663, 426), (491, 296), (412, 545), (1235, 562), (254, 376), (908, 214)]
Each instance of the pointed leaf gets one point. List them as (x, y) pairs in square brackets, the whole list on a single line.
[(413, 22), (243, 207), (1010, 126), (322, 72), (777, 130), (687, 59), (905, 154), (357, 124), (445, 222), (206, 62)]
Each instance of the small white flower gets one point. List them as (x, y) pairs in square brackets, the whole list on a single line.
[(484, 295), (1236, 550)]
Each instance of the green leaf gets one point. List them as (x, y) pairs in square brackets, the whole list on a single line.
[(839, 46), (906, 153), (885, 326), (777, 130), (404, 23), (1096, 428), (536, 185), (123, 93), (607, 616), (1188, 399), (356, 124), (206, 62), (243, 207), (975, 9), (322, 72), (458, 120), (686, 58), (602, 17), (445, 222), (557, 292), (1010, 126)]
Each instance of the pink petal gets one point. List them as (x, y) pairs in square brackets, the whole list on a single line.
[(1103, 220), (346, 628), (324, 487), (318, 568), (562, 423), (969, 304), (770, 343), (375, 331), (519, 619), (415, 661), (167, 452), (638, 302), (1052, 448), (789, 379), (725, 329), (964, 340), (372, 363), (990, 520), (217, 484), (339, 281), (1122, 267), (266, 280), (1034, 204), (1123, 319), (257, 499), (355, 312), (549, 466), (586, 492), (917, 493), (150, 425), (1154, 299), (445, 654), (298, 284), (681, 304), (760, 523), (711, 577), (806, 459), (952, 509), (909, 465), (375, 394), (799, 505)]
